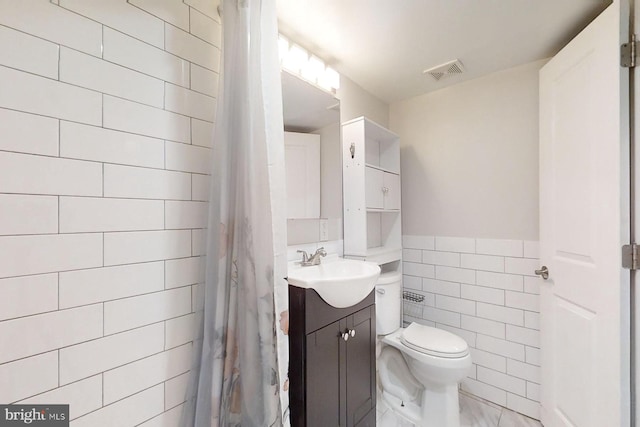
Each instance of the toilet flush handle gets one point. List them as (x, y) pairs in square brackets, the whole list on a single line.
[(380, 291)]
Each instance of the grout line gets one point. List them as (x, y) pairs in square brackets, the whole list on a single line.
[(102, 162), (110, 94), (103, 318), (114, 129), (89, 304), (59, 55), (58, 217), (59, 137), (102, 338)]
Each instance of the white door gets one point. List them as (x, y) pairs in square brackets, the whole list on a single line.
[(302, 165), (373, 185), (391, 191), (584, 217)]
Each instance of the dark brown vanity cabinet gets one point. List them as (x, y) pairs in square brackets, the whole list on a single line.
[(332, 367)]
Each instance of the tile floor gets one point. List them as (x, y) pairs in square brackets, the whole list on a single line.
[(475, 413)]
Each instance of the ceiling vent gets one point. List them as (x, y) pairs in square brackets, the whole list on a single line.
[(448, 69)]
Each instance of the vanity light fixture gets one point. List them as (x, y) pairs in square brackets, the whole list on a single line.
[(300, 62)]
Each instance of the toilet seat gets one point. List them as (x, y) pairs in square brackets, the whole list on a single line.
[(434, 342)]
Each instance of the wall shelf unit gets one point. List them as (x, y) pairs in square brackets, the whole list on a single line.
[(371, 191)]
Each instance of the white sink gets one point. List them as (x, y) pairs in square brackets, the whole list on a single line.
[(340, 282)]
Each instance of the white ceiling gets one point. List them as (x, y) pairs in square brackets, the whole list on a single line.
[(384, 45)]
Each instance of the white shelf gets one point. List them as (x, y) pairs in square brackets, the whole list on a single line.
[(371, 193), (384, 254), (395, 172), (383, 210)]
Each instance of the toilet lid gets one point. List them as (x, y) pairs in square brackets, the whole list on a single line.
[(435, 342)]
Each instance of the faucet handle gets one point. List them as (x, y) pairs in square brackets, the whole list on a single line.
[(305, 255), (321, 252)]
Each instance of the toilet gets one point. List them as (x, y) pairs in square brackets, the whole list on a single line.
[(419, 367)]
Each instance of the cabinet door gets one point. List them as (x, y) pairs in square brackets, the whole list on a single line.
[(302, 161), (361, 365), (323, 398), (391, 182), (374, 181)]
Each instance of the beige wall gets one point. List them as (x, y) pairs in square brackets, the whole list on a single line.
[(470, 157), (356, 102)]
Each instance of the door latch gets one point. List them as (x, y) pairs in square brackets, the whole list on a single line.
[(630, 256)]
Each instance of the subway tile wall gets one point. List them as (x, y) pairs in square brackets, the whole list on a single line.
[(485, 291), (106, 119)]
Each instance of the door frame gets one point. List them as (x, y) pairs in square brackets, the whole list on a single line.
[(634, 226)]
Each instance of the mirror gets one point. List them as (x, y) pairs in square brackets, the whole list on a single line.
[(312, 161)]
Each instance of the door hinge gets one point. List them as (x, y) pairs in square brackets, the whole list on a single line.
[(630, 256), (629, 53)]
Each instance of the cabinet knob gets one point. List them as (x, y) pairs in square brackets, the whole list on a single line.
[(352, 332), (345, 336), (385, 190)]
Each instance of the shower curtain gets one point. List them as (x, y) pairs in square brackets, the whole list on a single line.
[(241, 355)]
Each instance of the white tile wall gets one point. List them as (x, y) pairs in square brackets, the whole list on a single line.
[(130, 411), (201, 133), (92, 357), (29, 376), (208, 7), (129, 313), (27, 295), (50, 22), (28, 133), (133, 117), (206, 28), (82, 397), (28, 53), (179, 330), (122, 17), (134, 377), (171, 11), (105, 137), (21, 214), (34, 94), (102, 145), (166, 419), (144, 183), (122, 49), (93, 73), (175, 388), (188, 102), (28, 174), (485, 291), (191, 48)]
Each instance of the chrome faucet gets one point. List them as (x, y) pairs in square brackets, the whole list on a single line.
[(313, 259)]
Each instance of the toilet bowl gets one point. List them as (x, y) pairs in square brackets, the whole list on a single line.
[(419, 367)]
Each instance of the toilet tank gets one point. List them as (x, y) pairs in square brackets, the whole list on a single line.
[(388, 302)]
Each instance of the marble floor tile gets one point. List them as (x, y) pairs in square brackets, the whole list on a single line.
[(474, 413), (514, 419), (391, 419)]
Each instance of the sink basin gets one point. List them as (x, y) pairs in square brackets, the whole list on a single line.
[(340, 282)]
